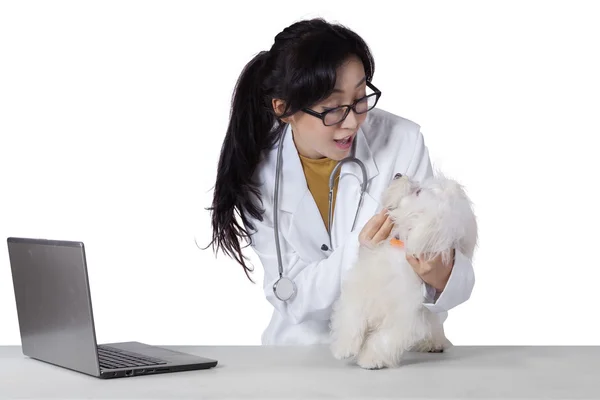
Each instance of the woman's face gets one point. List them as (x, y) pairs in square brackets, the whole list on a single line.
[(315, 140)]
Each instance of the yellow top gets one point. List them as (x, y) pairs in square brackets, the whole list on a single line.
[(317, 172)]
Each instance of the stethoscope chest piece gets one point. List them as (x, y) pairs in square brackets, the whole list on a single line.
[(284, 289)]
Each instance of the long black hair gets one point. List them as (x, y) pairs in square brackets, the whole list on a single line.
[(300, 69)]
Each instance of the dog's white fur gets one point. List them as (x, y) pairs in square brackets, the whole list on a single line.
[(380, 312)]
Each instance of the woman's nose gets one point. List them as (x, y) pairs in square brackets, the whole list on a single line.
[(351, 121)]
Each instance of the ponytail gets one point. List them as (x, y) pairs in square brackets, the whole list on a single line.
[(250, 131)]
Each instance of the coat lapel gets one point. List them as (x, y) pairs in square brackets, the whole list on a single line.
[(348, 195), (307, 232)]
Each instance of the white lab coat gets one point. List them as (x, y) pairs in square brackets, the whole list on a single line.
[(386, 144)]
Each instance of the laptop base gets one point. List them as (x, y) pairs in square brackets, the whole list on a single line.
[(165, 360)]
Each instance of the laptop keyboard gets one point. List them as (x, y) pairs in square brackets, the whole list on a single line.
[(111, 358)]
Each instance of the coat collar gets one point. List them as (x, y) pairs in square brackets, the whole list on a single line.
[(293, 182)]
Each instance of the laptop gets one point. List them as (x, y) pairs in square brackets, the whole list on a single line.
[(56, 321)]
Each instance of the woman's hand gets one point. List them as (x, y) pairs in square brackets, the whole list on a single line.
[(378, 228), (433, 272)]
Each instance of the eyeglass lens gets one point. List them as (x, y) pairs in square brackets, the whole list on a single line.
[(336, 115)]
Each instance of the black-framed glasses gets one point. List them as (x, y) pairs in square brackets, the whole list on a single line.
[(336, 115)]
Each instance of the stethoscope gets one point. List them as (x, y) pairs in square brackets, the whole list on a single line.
[(284, 288)]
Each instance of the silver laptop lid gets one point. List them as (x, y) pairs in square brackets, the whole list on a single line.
[(53, 302)]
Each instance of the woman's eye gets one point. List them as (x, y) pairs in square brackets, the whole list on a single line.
[(360, 99)]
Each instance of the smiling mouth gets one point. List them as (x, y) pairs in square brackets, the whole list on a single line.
[(344, 140)]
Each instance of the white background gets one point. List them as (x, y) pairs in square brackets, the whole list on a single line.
[(112, 115)]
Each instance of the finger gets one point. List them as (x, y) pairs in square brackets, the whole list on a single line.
[(414, 262), (374, 224), (378, 236), (382, 215), (384, 231), (380, 218), (367, 233)]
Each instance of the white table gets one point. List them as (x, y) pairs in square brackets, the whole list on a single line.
[(311, 373)]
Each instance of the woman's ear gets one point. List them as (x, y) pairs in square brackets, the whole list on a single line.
[(279, 109)]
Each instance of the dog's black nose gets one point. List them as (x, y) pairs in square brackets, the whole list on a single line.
[(398, 175)]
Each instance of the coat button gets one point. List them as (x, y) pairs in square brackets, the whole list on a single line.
[(324, 247)]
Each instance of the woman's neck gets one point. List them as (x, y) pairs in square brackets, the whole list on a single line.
[(305, 151)]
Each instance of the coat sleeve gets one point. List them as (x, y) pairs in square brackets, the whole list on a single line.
[(462, 277), (318, 282)]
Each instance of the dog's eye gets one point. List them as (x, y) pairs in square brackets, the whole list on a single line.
[(417, 192), (398, 175)]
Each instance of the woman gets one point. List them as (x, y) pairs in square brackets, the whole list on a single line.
[(315, 86)]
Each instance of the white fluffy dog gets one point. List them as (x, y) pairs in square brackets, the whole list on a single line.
[(380, 312)]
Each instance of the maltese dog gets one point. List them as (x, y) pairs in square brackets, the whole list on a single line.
[(380, 312)]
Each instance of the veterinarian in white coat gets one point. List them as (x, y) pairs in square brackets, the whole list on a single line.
[(288, 76)]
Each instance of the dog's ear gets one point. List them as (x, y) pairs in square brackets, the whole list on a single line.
[(468, 242), (447, 222), (462, 211), (429, 235), (433, 236)]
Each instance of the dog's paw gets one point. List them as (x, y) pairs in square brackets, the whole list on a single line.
[(436, 349), (369, 360), (340, 353), (430, 346), (345, 349)]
